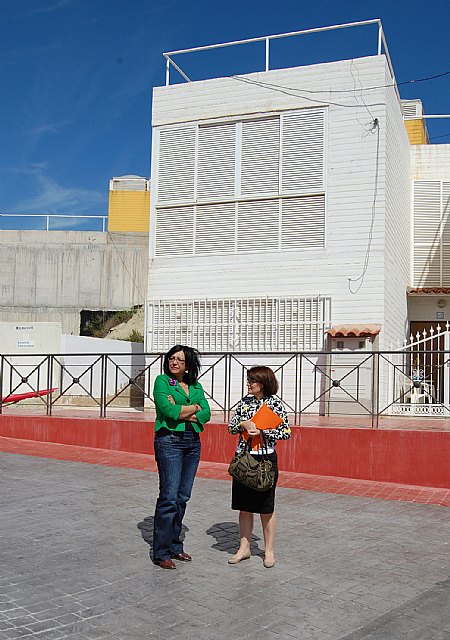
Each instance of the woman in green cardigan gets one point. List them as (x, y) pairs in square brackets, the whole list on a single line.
[(181, 413)]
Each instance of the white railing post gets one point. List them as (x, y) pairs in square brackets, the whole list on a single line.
[(167, 72), (446, 397), (267, 53), (380, 38)]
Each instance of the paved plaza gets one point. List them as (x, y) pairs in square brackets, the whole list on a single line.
[(75, 543)]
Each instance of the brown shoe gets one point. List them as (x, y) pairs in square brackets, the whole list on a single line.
[(166, 564), (185, 557)]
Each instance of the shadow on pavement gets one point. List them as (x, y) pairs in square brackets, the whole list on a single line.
[(146, 529), (227, 538)]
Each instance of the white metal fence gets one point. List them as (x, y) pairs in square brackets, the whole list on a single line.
[(420, 374), (52, 222)]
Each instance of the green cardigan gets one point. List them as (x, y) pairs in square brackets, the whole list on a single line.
[(167, 414)]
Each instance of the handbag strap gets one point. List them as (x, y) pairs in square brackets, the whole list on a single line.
[(248, 445), (264, 448)]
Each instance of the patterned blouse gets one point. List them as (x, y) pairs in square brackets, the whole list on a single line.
[(247, 408)]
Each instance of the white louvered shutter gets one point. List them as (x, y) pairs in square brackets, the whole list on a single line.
[(215, 228), (176, 166), (303, 152), (263, 324), (216, 161), (445, 234), (427, 233), (411, 108), (303, 222), (175, 231), (258, 225), (260, 151)]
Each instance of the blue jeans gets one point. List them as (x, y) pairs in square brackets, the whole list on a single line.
[(177, 457)]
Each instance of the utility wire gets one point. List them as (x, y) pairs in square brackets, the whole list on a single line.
[(354, 90), (355, 80), (360, 279), (444, 135), (297, 93)]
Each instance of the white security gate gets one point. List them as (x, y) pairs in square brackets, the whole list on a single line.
[(420, 374), (239, 324)]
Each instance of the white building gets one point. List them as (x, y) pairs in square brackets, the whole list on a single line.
[(290, 201)]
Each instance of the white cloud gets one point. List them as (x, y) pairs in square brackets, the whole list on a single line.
[(52, 198), (25, 8), (45, 129)]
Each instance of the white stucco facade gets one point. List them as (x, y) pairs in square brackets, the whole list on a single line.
[(364, 265)]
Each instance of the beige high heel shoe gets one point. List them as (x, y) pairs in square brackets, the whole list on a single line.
[(237, 558), (269, 563)]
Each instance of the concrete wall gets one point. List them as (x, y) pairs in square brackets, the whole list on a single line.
[(54, 275)]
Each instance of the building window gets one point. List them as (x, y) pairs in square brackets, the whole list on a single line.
[(431, 233), (247, 185)]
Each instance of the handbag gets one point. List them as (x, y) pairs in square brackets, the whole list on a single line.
[(252, 473)]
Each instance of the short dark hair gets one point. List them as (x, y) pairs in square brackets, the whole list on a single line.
[(266, 377), (192, 361)]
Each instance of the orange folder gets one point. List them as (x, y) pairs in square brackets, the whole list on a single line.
[(264, 419)]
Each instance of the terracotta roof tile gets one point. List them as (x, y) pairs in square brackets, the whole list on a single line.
[(353, 330), (429, 290)]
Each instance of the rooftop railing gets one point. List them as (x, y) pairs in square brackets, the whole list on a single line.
[(51, 222), (381, 46)]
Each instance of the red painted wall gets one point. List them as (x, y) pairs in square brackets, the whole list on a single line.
[(406, 457)]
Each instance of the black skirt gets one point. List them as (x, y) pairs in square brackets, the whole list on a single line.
[(245, 499)]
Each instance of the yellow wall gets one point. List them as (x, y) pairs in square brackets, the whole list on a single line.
[(417, 131), (129, 211)]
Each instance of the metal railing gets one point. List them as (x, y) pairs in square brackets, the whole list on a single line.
[(365, 384), (381, 46), (49, 221)]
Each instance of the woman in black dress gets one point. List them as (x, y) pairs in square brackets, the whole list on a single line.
[(262, 387)]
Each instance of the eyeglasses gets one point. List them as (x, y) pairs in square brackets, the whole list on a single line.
[(250, 383), (174, 359)]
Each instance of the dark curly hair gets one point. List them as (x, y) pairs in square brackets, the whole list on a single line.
[(192, 362)]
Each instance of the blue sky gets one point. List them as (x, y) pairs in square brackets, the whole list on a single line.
[(77, 76)]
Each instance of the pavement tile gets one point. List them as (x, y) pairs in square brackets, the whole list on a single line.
[(67, 618), (43, 625), (348, 567), (23, 621), (49, 634), (20, 632), (5, 625)]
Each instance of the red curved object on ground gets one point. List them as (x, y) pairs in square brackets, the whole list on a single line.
[(17, 397)]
